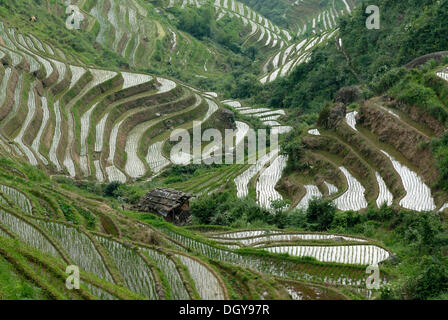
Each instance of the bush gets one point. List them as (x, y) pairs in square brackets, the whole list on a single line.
[(68, 212), (440, 151), (226, 209), (387, 80), (320, 214), (292, 146), (111, 188), (197, 22), (430, 280)]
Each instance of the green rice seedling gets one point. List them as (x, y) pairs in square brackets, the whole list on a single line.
[(27, 233), (79, 247), (100, 293), (168, 267), (4, 234), (19, 198), (206, 282), (136, 273)]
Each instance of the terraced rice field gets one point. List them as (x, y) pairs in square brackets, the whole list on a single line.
[(260, 30), (136, 273), (332, 189), (104, 125), (36, 142), (126, 28), (207, 283), (353, 198), (29, 117), (314, 132), (443, 75), (244, 234), (20, 199), (168, 267), (418, 195), (27, 233), (359, 254), (283, 62), (155, 158), (265, 239), (350, 118), (79, 248), (268, 177), (384, 196), (281, 269), (242, 181), (88, 131), (99, 255), (312, 192), (267, 181), (324, 17), (444, 207)]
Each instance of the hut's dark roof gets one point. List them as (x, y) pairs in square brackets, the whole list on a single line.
[(162, 200)]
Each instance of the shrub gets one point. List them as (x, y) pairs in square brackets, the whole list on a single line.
[(440, 151), (320, 214), (111, 188), (430, 280), (387, 80)]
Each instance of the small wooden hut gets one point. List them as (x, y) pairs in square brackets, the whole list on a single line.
[(172, 205)]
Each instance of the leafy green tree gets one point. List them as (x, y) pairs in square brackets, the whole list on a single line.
[(320, 213), (429, 281), (440, 150), (111, 188), (198, 22)]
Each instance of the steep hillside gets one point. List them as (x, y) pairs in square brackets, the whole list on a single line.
[(351, 172), (56, 224), (306, 16)]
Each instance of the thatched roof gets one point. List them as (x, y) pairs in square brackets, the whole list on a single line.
[(162, 201)]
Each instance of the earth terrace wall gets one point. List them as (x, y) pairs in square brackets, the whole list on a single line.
[(6, 60), (290, 267), (52, 79), (34, 126), (13, 125), (164, 111), (405, 140), (56, 268), (132, 246), (95, 94), (6, 108), (147, 115), (348, 158), (319, 169), (119, 110), (39, 229), (373, 157), (64, 84), (162, 127)]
